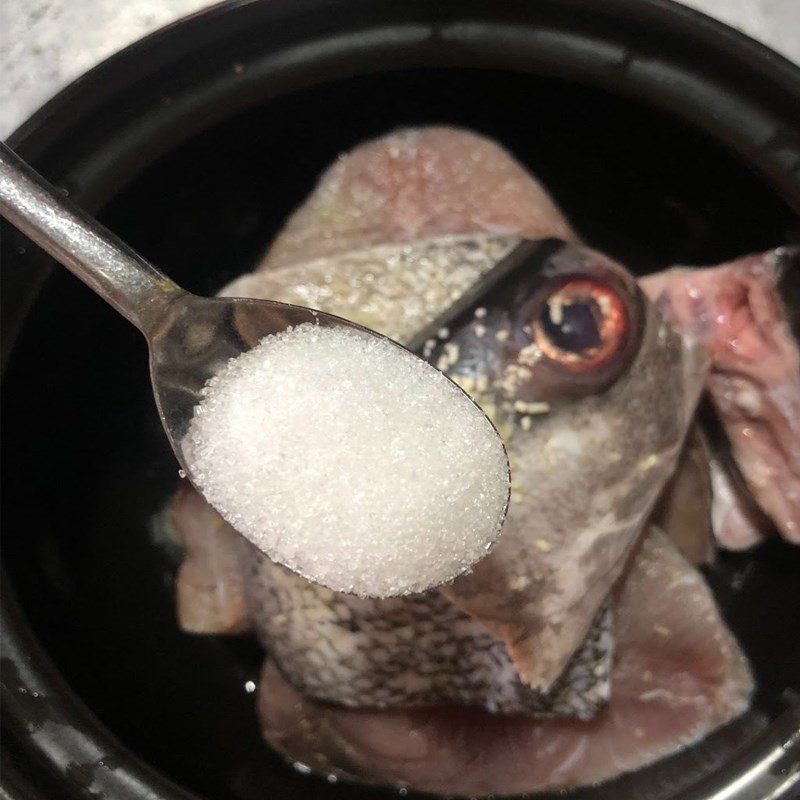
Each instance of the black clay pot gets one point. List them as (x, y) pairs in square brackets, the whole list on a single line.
[(665, 136)]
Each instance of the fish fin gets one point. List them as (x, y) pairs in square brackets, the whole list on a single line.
[(683, 511)]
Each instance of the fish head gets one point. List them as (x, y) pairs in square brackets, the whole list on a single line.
[(579, 370), (593, 392)]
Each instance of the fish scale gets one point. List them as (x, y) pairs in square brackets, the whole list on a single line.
[(409, 651)]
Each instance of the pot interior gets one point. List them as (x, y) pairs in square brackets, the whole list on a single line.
[(87, 469)]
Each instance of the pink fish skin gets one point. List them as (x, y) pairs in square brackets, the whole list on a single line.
[(735, 310), (413, 184)]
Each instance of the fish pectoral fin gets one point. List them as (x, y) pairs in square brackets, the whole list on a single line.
[(683, 511)]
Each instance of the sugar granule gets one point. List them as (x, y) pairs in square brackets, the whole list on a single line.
[(349, 460)]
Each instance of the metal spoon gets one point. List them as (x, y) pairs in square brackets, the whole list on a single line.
[(190, 338)]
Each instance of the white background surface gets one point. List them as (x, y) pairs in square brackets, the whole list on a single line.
[(45, 44)]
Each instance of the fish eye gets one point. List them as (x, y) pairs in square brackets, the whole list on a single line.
[(582, 324), (576, 323)]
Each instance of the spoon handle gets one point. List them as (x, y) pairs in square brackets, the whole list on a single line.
[(116, 272)]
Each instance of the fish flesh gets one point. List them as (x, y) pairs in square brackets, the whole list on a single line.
[(735, 310)]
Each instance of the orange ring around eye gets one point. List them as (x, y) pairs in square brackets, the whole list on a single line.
[(610, 315)]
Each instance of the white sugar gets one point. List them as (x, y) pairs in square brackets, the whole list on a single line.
[(349, 460)]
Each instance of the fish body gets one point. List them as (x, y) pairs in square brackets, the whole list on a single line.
[(585, 644)]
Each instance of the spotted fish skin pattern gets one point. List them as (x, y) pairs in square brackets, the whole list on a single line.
[(408, 651)]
